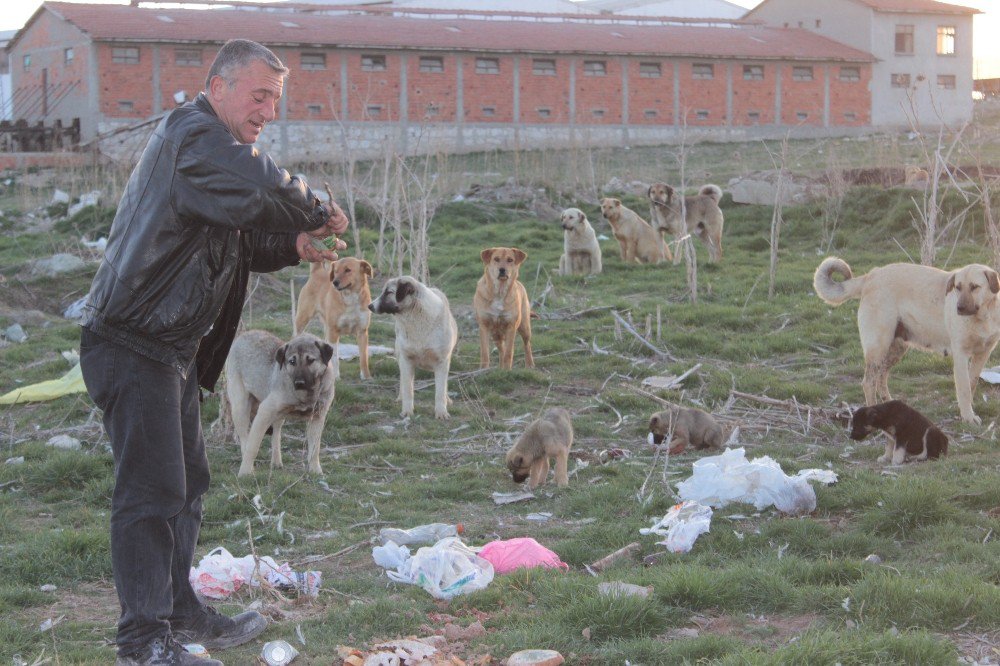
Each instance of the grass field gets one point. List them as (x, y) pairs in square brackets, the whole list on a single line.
[(760, 588)]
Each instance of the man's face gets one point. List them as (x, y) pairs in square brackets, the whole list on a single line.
[(250, 103)]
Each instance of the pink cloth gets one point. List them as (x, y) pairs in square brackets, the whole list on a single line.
[(505, 556)]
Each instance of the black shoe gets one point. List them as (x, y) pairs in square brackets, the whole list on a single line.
[(218, 632), (164, 651)]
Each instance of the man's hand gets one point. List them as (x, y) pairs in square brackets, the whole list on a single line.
[(304, 245), (336, 223)]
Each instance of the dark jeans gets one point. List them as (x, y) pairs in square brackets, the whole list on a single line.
[(152, 416)]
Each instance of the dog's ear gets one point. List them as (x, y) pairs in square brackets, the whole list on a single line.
[(333, 270), (994, 280), (951, 284), (654, 421), (670, 193), (279, 355), (366, 268), (617, 203), (518, 461), (325, 351), (486, 255), (403, 289), (649, 192), (519, 256)]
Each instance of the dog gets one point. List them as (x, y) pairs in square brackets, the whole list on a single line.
[(267, 381), (911, 435), (955, 313), (502, 307), (426, 334), (581, 251), (549, 436), (702, 216), (340, 293), (916, 176), (687, 426), (637, 240)]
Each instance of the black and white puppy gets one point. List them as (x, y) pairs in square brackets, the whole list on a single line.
[(911, 435)]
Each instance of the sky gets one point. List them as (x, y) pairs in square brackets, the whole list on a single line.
[(986, 28)]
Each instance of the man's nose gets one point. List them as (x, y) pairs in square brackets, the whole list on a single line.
[(270, 112)]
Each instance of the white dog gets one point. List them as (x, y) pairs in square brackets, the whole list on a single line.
[(581, 251)]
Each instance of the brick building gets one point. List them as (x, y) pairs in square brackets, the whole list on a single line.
[(445, 80)]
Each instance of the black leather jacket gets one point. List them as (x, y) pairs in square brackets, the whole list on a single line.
[(199, 212)]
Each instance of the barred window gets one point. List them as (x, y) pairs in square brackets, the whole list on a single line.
[(487, 65), (597, 113), (701, 114), (753, 72), (544, 112), (595, 68), (650, 114), (850, 116), (313, 61), (125, 55), (373, 111), (850, 73), (904, 39), (946, 81), (703, 70), (946, 40), (431, 64), (543, 67), (900, 80), (187, 57), (753, 117), (314, 109), (649, 70), (802, 115), (125, 106), (802, 73), (373, 63), (489, 111)]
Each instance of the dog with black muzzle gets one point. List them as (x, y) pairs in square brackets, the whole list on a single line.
[(700, 215), (912, 436), (268, 381)]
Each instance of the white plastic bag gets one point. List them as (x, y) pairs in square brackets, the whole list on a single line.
[(218, 575), (684, 523), (445, 570)]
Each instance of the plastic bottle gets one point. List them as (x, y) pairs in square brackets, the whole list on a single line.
[(429, 534)]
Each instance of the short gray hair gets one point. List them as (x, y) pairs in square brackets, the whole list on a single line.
[(239, 53)]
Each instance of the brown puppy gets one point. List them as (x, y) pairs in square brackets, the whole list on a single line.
[(502, 307), (702, 215), (549, 436), (954, 313), (637, 240), (340, 293), (911, 434), (687, 426)]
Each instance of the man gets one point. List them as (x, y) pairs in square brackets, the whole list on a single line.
[(201, 210)]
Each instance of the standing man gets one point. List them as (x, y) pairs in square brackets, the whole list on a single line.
[(202, 209)]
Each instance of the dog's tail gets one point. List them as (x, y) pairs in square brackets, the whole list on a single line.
[(713, 191), (834, 292)]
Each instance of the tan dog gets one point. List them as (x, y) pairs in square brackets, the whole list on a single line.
[(638, 241), (426, 334), (502, 307), (268, 381), (547, 437), (686, 426), (954, 313), (916, 176), (581, 251), (340, 293), (702, 215)]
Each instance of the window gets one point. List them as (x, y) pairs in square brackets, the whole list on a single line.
[(431, 64), (801, 116), (544, 112), (26, 62), (597, 113), (802, 73), (314, 109), (595, 68), (373, 111), (432, 110), (753, 72), (68, 55), (900, 80), (373, 63), (489, 111), (125, 106), (701, 70), (649, 114), (701, 115), (818, 24), (313, 61), (487, 66), (850, 73), (850, 116), (904, 39), (543, 67), (187, 57), (753, 117), (946, 81), (125, 55), (946, 40), (649, 70)]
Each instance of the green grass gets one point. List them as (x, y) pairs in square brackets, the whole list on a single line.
[(759, 588)]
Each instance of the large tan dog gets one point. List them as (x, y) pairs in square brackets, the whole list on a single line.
[(702, 216), (637, 240), (547, 437), (955, 313), (426, 334), (581, 251), (267, 381), (502, 307), (340, 293)]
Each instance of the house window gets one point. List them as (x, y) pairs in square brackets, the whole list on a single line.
[(543, 67), (850, 73), (702, 70), (649, 70), (544, 112), (373, 63), (597, 113), (314, 109), (850, 116), (802, 73), (187, 57), (701, 115), (649, 114), (125, 55), (432, 110), (489, 111), (373, 111), (753, 72), (26, 61), (125, 106), (946, 81), (595, 68), (904, 39), (487, 66), (431, 64), (900, 80), (753, 117), (946, 40), (68, 55), (313, 61), (818, 24), (801, 116)]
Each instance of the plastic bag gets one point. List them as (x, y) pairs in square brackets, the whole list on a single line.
[(505, 556), (71, 382), (445, 570), (219, 574), (681, 526), (427, 534)]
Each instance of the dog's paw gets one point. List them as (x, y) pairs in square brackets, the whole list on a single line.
[(882, 459), (971, 417), (442, 414)]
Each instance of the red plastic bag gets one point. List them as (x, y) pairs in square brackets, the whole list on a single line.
[(505, 556)]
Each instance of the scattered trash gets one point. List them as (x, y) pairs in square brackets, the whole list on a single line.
[(730, 477), (991, 375), (91, 198), (15, 333), (48, 587), (57, 264), (873, 559), (72, 356), (59, 197), (75, 310), (17, 460), (535, 658), (619, 589), (278, 653), (607, 455), (64, 442), (197, 649), (400, 651), (510, 498), (71, 382), (682, 525), (49, 623), (522, 552), (445, 570), (219, 574), (620, 554), (427, 534), (100, 244), (539, 517)]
